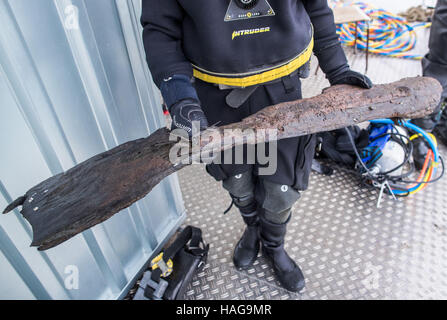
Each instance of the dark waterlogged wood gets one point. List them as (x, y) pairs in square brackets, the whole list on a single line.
[(94, 190)]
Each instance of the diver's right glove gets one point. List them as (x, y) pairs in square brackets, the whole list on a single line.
[(183, 103), (185, 112)]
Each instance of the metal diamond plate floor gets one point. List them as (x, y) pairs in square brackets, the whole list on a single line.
[(346, 247)]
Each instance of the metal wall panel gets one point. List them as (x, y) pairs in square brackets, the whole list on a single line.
[(74, 83)]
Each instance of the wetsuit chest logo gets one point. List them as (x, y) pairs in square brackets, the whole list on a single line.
[(248, 9)]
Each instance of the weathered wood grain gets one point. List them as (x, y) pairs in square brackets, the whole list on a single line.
[(94, 190)]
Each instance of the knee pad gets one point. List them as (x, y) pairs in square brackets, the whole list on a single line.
[(241, 188), (276, 200)]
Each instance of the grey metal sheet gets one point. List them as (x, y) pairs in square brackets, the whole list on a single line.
[(346, 247), (74, 83)]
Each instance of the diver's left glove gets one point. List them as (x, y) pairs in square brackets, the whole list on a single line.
[(353, 78)]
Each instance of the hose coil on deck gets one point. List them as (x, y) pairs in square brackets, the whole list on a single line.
[(389, 34)]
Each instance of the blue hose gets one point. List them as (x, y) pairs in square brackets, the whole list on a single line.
[(424, 134), (415, 128)]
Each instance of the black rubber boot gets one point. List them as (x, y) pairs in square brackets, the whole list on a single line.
[(420, 149), (286, 270), (440, 130), (247, 248)]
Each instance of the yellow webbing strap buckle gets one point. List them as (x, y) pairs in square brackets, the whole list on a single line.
[(165, 267)]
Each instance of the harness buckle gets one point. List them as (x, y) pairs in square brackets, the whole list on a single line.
[(165, 267), (155, 290)]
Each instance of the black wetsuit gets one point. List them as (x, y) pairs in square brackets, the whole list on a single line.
[(434, 64), (219, 43)]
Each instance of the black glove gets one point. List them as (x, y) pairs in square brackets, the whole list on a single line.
[(353, 78), (184, 112)]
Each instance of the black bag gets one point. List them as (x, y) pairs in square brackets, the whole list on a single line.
[(336, 145), (173, 269)]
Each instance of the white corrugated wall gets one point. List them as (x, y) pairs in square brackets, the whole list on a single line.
[(74, 83)]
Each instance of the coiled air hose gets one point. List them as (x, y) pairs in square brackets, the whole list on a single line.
[(389, 34)]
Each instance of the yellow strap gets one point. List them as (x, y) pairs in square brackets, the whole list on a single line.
[(262, 77), (417, 135), (169, 265)]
